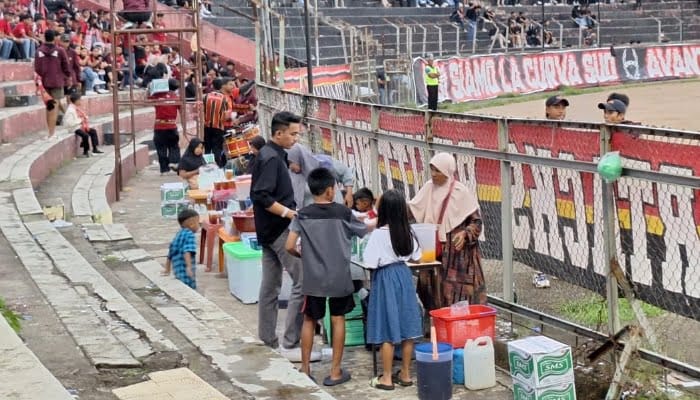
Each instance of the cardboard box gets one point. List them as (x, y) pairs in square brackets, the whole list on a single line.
[(539, 361), (561, 391), (54, 209), (172, 209), (172, 192)]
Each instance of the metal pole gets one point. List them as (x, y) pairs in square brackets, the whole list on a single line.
[(506, 215), (309, 68), (280, 72), (115, 105), (609, 239), (544, 22), (318, 55)]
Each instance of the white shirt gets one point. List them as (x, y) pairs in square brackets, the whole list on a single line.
[(379, 252)]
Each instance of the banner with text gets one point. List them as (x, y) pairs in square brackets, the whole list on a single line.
[(489, 76), (557, 212), (333, 81)]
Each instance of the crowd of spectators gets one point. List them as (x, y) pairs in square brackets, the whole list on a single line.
[(85, 37), (518, 30)]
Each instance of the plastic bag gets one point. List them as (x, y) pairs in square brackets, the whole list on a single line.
[(610, 166)]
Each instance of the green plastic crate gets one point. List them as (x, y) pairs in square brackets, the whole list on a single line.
[(354, 330)]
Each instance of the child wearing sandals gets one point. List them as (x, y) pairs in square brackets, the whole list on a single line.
[(325, 229), (393, 315)]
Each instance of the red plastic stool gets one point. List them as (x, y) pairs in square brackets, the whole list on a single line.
[(208, 237)]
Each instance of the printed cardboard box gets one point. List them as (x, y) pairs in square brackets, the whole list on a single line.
[(171, 210), (172, 192), (539, 361), (561, 391)]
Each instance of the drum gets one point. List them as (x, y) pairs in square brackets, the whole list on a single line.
[(236, 146), (251, 132)]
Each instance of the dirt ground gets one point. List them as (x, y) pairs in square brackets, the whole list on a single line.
[(670, 104)]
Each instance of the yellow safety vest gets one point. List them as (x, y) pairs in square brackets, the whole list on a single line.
[(428, 80)]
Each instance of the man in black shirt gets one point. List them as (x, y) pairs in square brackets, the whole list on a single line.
[(274, 206)]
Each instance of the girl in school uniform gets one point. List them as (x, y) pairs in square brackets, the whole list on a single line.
[(393, 316)]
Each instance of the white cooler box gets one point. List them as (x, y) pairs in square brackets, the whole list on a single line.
[(244, 267)]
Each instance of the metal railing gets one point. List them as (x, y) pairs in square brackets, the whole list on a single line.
[(561, 32), (575, 229), (660, 31)]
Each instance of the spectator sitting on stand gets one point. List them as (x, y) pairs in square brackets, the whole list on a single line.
[(76, 119), (532, 33)]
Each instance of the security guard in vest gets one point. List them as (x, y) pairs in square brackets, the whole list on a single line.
[(432, 81)]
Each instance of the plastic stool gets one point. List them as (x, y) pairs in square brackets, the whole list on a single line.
[(224, 237), (208, 238)]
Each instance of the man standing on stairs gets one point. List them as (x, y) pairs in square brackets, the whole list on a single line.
[(432, 82), (51, 64)]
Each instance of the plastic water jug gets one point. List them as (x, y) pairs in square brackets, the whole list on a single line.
[(425, 234), (479, 364)]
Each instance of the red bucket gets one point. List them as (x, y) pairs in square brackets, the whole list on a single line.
[(456, 330)]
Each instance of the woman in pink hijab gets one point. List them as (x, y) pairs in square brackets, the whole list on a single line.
[(448, 203)]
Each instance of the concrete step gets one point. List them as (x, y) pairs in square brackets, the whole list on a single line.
[(79, 295), (24, 376), (16, 71), (20, 121), (18, 94)]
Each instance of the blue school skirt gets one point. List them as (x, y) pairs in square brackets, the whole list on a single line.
[(393, 313)]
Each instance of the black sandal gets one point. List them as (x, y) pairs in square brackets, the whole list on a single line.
[(378, 385), (396, 378)]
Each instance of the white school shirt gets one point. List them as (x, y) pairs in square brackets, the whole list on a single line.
[(379, 252)]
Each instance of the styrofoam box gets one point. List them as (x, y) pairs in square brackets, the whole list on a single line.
[(539, 361), (244, 267)]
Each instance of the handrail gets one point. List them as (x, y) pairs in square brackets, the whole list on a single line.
[(439, 38), (505, 35), (658, 22), (398, 36), (680, 28), (458, 33), (242, 14), (333, 25), (425, 38), (561, 32)]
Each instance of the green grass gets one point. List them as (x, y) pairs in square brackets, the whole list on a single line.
[(10, 316), (593, 310)]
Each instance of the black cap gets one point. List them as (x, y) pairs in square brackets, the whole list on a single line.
[(613, 105), (554, 100), (619, 96), (65, 38)]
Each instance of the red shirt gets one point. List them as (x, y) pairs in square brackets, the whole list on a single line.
[(160, 36), (166, 115), (5, 27), (20, 31)]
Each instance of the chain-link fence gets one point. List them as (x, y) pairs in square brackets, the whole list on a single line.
[(545, 208)]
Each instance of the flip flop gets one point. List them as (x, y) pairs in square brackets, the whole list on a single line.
[(378, 385), (396, 378), (344, 377)]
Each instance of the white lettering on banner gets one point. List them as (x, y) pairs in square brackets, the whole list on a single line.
[(516, 77), (544, 205), (599, 67), (456, 88), (466, 168), (576, 240), (683, 245), (354, 151), (672, 61), (637, 193)]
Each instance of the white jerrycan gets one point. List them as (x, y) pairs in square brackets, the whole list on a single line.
[(479, 363)]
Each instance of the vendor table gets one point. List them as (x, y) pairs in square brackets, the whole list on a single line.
[(416, 269)]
